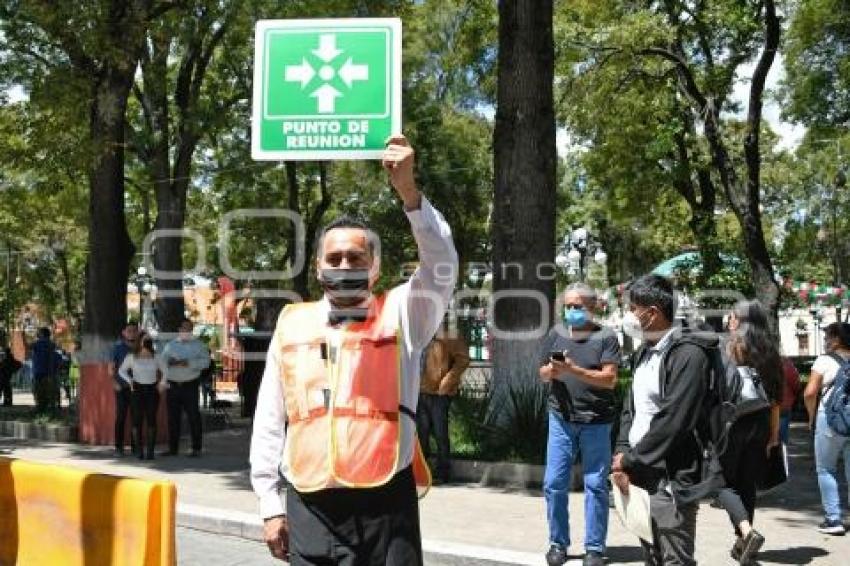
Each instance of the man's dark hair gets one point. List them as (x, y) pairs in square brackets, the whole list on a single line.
[(347, 221), (43, 332), (840, 330), (654, 291), (184, 320), (131, 323)]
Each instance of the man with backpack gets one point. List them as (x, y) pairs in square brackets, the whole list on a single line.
[(659, 448), (826, 397)]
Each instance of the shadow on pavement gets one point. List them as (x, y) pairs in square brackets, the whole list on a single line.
[(793, 555), (624, 554), (225, 453)]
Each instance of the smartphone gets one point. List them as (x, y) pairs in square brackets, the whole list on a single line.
[(557, 355)]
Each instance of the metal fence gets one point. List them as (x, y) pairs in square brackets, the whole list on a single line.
[(477, 379)]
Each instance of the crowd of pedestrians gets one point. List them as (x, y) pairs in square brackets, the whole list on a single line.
[(705, 415)]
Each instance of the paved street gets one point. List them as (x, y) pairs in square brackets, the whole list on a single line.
[(199, 548), (506, 525)]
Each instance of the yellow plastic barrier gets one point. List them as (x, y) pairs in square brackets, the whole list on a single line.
[(52, 514)]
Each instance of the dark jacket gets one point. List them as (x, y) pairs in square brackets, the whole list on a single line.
[(45, 358), (672, 448)]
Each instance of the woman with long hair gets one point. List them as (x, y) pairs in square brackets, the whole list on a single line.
[(751, 349), (143, 370)]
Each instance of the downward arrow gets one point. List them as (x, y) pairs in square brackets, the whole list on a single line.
[(351, 72), (327, 48), (300, 73), (326, 95)]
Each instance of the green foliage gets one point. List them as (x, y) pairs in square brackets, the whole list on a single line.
[(648, 176), (508, 425), (816, 89)]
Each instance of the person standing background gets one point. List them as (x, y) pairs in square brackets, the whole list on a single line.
[(8, 367), (830, 447), (443, 362), (579, 361), (45, 372), (184, 359), (142, 370), (123, 398)]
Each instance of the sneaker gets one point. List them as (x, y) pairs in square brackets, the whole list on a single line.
[(750, 546), (593, 558), (831, 527), (557, 555)]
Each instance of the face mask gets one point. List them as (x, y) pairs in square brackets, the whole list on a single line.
[(632, 326), (345, 287), (575, 317)]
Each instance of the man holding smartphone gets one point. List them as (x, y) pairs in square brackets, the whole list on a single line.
[(579, 360)]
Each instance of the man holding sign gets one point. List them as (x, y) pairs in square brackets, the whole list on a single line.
[(336, 408)]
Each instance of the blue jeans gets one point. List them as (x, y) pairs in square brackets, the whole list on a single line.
[(784, 426), (594, 443), (829, 447)]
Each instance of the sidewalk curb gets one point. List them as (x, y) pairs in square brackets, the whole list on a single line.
[(249, 526)]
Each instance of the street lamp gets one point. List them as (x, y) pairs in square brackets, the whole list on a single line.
[(575, 249), (815, 311), (144, 286)]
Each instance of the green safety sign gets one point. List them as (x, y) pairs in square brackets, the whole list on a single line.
[(325, 89)]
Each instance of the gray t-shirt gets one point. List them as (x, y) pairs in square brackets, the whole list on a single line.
[(575, 399)]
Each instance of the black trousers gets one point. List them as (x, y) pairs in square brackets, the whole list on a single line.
[(144, 409), (356, 527), (743, 463), (183, 396), (6, 390), (45, 389), (432, 418), (123, 402), (674, 530)]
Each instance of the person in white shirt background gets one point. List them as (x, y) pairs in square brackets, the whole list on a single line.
[(829, 446), (143, 371), (184, 358)]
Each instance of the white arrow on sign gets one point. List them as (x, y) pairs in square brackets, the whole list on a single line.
[(326, 95), (327, 48), (300, 73), (350, 72)]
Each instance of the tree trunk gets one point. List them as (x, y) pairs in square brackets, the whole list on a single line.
[(109, 243), (299, 281), (312, 222), (168, 257), (524, 193)]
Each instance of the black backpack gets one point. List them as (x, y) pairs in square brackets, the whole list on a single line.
[(735, 391)]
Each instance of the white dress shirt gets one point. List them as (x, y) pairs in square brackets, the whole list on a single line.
[(421, 303), (645, 389)]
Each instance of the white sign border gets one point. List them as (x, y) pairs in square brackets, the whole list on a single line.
[(259, 154)]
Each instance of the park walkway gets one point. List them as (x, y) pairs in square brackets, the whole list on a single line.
[(467, 523)]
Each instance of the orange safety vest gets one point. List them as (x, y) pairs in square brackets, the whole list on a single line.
[(342, 400)]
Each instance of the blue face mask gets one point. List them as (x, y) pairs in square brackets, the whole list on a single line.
[(575, 317)]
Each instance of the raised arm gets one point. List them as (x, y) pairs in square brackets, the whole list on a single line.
[(429, 289)]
